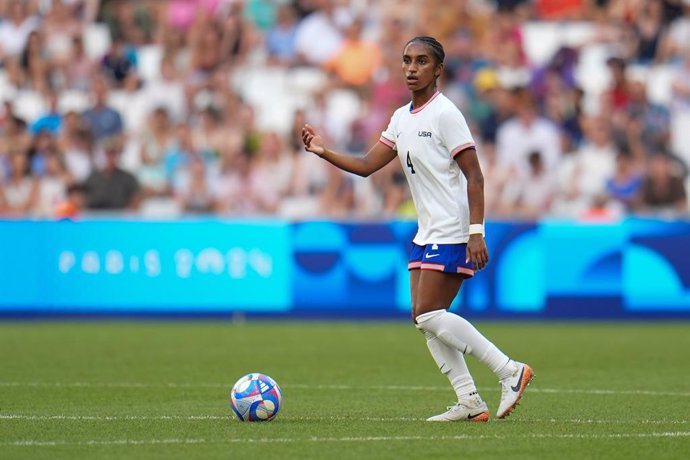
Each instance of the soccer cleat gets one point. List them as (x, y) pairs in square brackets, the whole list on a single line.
[(469, 409), (512, 389)]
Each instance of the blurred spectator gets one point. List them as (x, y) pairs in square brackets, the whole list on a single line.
[(205, 41), (338, 197), (646, 124), (62, 26), (504, 47), (168, 92), (181, 14), (588, 169), (308, 184), (193, 191), (19, 192), (663, 189), (178, 157), (156, 139), (77, 150), (615, 99), (79, 69), (15, 134), (649, 29), (463, 67), (118, 62), (525, 133), (624, 186), (271, 172), (677, 41), (15, 30), (356, 60), (491, 106), (73, 204), (560, 9), (238, 35), (680, 107), (529, 196), (102, 120), (397, 200), (208, 135), (52, 188), (320, 115), (499, 177), (263, 12), (319, 35), (112, 188), (132, 20), (34, 63), (234, 195), (44, 145), (280, 38), (132, 103), (602, 209), (52, 119)]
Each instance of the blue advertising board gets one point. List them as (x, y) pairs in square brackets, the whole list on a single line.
[(155, 266), (637, 268)]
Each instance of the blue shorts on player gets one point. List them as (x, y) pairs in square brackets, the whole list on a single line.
[(449, 258)]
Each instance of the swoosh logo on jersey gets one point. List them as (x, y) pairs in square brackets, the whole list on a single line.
[(431, 256), (516, 388)]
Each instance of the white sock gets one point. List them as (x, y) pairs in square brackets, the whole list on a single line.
[(451, 363), (458, 333)]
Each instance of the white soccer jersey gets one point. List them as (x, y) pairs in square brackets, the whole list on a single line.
[(427, 140)]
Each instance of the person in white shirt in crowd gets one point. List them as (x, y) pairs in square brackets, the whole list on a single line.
[(525, 133), (320, 34), (583, 176), (15, 30)]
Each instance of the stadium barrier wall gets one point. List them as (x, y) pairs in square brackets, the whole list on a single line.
[(636, 268)]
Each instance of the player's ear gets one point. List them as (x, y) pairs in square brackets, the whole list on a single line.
[(438, 70)]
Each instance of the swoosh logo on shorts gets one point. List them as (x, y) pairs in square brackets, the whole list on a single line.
[(429, 256), (516, 388)]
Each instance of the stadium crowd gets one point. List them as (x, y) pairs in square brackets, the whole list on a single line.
[(580, 108)]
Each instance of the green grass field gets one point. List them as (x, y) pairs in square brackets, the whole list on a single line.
[(160, 390)]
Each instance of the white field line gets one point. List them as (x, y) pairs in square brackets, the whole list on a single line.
[(315, 439), (302, 386), (116, 418)]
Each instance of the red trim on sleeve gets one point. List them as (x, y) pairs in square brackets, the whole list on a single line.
[(386, 142), (458, 150)]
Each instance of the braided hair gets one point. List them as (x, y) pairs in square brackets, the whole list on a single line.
[(433, 44)]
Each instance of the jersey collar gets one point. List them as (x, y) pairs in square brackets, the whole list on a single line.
[(419, 109)]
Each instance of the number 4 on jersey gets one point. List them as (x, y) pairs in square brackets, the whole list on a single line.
[(409, 163)]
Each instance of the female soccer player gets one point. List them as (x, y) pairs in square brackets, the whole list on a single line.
[(438, 154)]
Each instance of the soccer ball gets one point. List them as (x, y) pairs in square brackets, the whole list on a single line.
[(256, 398)]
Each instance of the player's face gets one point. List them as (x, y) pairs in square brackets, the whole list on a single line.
[(419, 67)]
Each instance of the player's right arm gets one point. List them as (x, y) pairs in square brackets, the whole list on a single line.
[(376, 158)]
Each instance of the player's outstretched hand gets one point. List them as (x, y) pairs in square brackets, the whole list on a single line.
[(312, 141), (477, 253)]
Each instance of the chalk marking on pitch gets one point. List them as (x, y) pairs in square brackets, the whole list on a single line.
[(301, 386), (315, 439), (230, 417)]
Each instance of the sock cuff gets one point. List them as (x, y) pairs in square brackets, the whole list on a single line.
[(430, 315)]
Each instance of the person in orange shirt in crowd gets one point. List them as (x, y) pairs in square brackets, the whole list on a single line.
[(357, 59)]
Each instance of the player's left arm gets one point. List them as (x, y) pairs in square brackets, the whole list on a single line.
[(468, 161)]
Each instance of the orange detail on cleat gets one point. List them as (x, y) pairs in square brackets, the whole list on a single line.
[(483, 417), (527, 376)]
